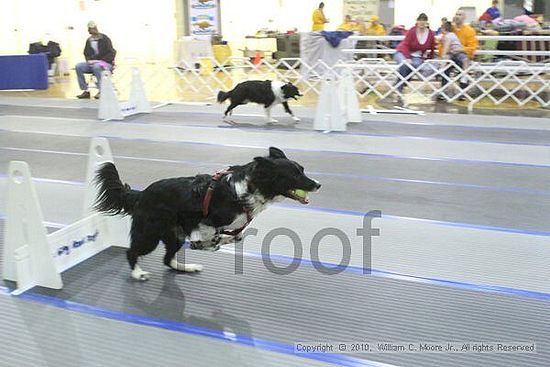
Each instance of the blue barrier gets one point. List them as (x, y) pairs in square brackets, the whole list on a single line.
[(24, 72)]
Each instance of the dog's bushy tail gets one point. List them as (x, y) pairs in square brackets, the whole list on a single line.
[(222, 96), (113, 196)]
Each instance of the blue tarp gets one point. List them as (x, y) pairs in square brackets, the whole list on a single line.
[(334, 38)]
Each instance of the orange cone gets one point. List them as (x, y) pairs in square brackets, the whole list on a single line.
[(257, 58)]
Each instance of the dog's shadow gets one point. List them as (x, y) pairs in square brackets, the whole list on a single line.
[(260, 126), (169, 304)]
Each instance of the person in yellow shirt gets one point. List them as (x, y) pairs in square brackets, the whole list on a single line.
[(318, 18), (465, 33), (360, 26), (467, 37), (375, 28), (348, 25)]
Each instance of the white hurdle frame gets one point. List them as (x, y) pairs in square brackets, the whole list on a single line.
[(109, 106), (32, 257)]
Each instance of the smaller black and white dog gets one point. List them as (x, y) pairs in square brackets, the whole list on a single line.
[(208, 210), (265, 92)]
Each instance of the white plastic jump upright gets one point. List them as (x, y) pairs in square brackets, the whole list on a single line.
[(32, 257), (109, 106), (338, 104)]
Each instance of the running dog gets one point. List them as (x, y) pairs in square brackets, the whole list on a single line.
[(265, 92), (208, 210)]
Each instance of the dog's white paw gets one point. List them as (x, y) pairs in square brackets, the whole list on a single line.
[(272, 121), (296, 119), (186, 268), (226, 239), (192, 268), (139, 274)]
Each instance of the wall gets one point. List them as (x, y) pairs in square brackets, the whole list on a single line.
[(139, 29), (406, 11)]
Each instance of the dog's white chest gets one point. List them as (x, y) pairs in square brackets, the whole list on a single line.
[(257, 204), (276, 87)]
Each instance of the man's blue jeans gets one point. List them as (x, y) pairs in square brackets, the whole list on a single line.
[(85, 68)]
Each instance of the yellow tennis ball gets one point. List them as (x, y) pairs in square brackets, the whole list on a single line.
[(300, 193)]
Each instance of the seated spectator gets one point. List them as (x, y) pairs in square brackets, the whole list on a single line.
[(467, 37), (398, 30), (452, 49), (99, 54), (348, 25), (360, 26), (439, 30), (375, 28), (418, 45), (465, 33)]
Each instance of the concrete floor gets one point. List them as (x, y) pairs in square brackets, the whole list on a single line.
[(465, 205)]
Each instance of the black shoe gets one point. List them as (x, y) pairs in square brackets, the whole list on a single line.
[(84, 95), (463, 85), (97, 96), (441, 97)]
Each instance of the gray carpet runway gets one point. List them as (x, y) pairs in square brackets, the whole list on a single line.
[(258, 304), (374, 127), (485, 194)]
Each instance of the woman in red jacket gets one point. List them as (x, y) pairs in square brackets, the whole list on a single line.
[(418, 45)]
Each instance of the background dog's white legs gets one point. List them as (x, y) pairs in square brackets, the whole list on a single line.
[(140, 274), (270, 120)]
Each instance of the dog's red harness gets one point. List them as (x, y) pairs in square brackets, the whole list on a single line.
[(208, 197)]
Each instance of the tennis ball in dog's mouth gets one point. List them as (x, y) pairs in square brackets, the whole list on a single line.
[(300, 193)]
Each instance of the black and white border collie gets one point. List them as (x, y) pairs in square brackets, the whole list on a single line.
[(264, 92), (209, 211)]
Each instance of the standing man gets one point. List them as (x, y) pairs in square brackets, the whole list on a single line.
[(467, 36), (318, 18), (99, 54)]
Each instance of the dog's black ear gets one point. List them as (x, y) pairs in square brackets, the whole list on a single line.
[(265, 162), (276, 153)]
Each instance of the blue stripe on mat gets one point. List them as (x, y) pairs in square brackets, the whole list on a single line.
[(180, 327), (396, 276)]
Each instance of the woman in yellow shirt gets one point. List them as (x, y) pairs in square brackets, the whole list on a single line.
[(319, 19)]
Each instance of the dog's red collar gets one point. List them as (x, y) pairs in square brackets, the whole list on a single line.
[(208, 197)]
